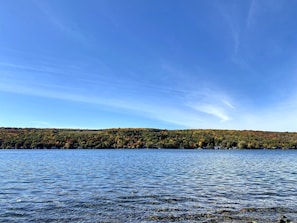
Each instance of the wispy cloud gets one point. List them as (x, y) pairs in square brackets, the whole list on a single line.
[(165, 104), (206, 108), (232, 22), (228, 103), (238, 25), (68, 28), (212, 103), (251, 13), (16, 66), (213, 110)]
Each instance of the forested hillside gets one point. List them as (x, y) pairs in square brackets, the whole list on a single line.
[(30, 138)]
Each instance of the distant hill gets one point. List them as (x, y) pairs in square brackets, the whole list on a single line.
[(31, 138)]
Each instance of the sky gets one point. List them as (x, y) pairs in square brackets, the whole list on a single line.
[(169, 64)]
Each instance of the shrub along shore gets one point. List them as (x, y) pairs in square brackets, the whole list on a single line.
[(32, 138)]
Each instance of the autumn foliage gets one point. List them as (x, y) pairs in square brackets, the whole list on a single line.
[(30, 138)]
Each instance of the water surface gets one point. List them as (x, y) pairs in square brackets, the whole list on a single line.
[(147, 185)]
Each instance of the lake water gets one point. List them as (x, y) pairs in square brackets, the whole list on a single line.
[(147, 185)]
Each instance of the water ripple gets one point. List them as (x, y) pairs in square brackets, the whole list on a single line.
[(147, 186)]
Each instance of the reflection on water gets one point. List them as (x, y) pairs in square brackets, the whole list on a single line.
[(147, 185)]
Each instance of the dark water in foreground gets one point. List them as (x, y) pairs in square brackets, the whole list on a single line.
[(147, 186)]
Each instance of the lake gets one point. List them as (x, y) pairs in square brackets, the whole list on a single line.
[(148, 185)]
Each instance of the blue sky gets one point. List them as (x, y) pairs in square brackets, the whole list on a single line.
[(221, 64)]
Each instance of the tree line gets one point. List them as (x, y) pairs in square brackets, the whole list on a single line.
[(31, 138)]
